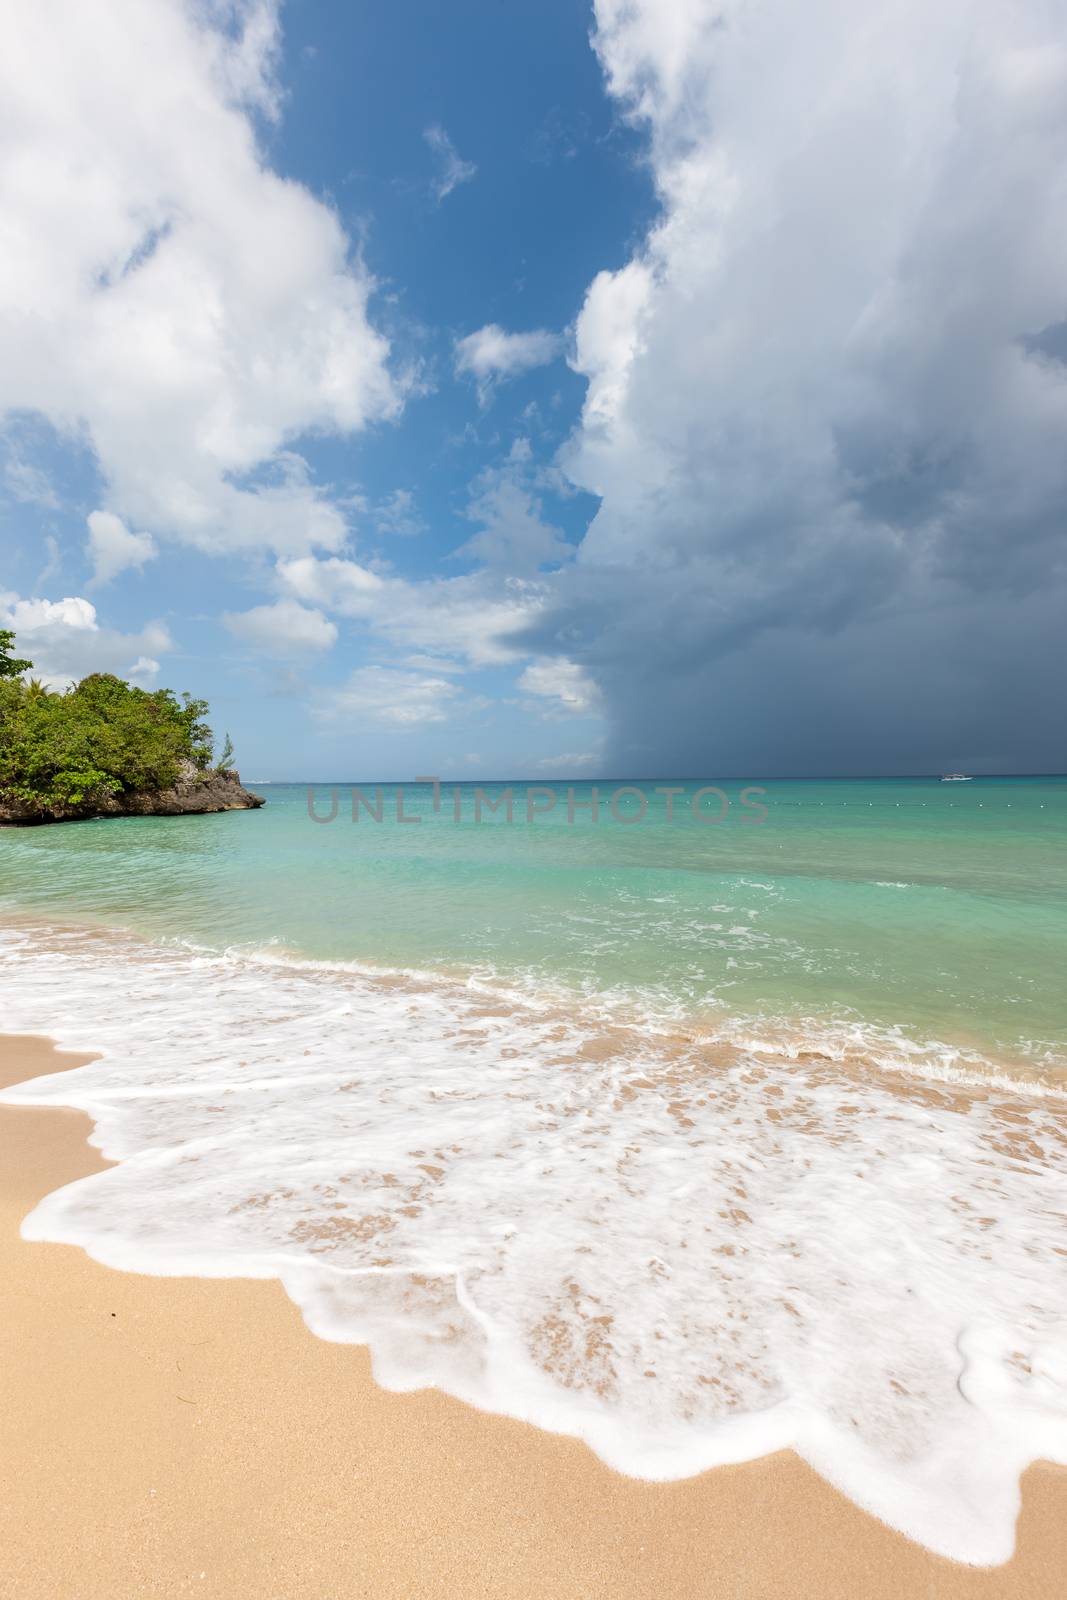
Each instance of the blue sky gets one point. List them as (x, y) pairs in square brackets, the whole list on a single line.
[(550, 185), (503, 391)]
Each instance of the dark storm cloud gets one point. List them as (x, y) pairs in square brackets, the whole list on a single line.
[(828, 444)]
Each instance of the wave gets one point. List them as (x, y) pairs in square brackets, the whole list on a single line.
[(686, 1245)]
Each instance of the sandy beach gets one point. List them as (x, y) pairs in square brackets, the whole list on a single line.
[(176, 1436)]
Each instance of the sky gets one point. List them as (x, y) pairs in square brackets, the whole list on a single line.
[(645, 388)]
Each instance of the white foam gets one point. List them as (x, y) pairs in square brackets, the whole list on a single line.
[(682, 1255)]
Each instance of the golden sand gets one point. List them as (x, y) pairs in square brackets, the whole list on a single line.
[(166, 1437)]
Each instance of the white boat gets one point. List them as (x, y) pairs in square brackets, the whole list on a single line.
[(956, 777)]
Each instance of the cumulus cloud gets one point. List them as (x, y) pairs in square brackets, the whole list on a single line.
[(64, 640), (384, 697), (825, 414), (283, 629), (473, 617), (113, 548), (164, 294), (566, 683), (335, 582), (143, 672), (492, 355), (31, 616), (452, 170)]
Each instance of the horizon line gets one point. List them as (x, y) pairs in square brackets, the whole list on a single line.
[(541, 778)]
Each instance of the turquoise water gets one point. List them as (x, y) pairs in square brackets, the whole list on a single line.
[(938, 909)]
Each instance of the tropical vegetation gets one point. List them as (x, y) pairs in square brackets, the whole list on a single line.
[(96, 738)]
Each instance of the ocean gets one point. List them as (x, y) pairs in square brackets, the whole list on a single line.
[(697, 1129)]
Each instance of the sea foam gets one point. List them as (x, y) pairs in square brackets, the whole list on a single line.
[(683, 1250)]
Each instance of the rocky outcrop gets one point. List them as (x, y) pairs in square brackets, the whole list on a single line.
[(194, 792)]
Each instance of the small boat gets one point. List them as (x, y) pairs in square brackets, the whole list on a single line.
[(956, 777)]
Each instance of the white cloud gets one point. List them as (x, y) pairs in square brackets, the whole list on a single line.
[(452, 169), (514, 535), (469, 621), (65, 641), (469, 617), (432, 664), (830, 308), (460, 622), (491, 354), (607, 339), (574, 761), (383, 697), (283, 629), (31, 615), (28, 483), (143, 672), (398, 514), (565, 682), (163, 292), (341, 585), (113, 548)]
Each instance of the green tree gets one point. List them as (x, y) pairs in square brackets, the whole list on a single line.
[(226, 759), (10, 666), (101, 736)]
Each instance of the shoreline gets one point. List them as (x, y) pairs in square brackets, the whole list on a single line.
[(165, 1436), (953, 1062)]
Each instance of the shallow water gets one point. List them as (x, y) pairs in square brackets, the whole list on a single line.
[(937, 908), (692, 1140)]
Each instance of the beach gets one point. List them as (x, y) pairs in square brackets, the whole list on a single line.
[(568, 1210), (533, 851), (167, 1436)]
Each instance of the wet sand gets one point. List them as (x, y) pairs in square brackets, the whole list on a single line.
[(164, 1436)]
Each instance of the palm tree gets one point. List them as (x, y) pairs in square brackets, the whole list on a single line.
[(35, 690)]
